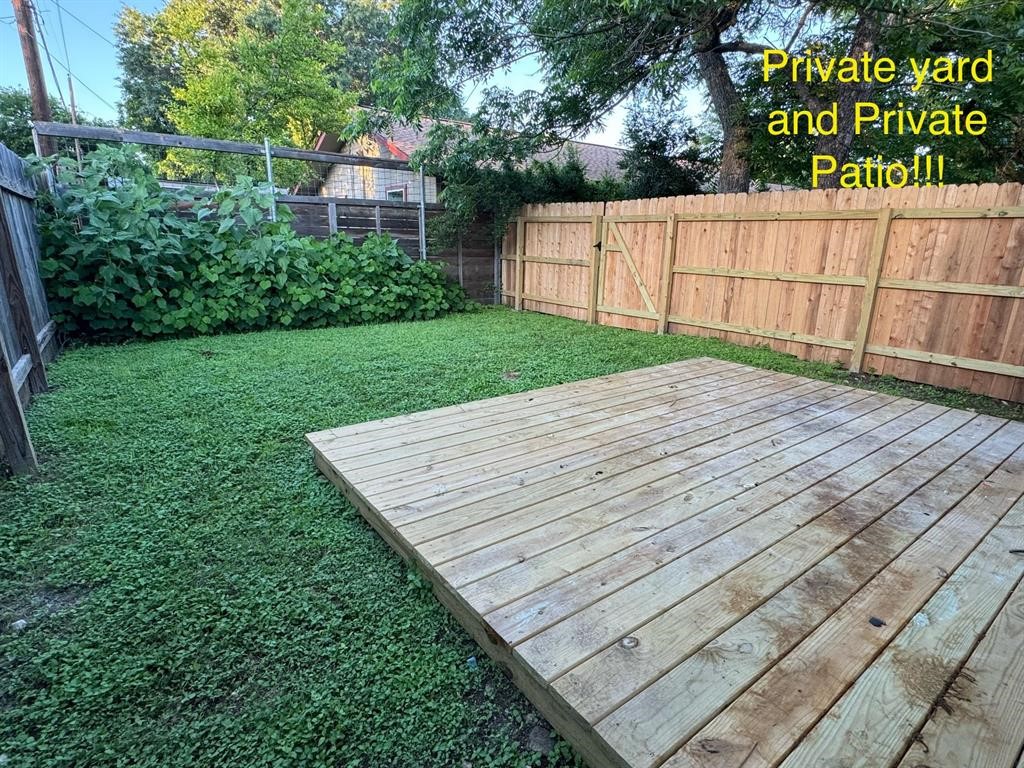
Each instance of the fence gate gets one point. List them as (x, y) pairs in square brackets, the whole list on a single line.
[(653, 290)]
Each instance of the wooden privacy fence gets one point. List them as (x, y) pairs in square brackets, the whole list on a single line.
[(26, 332), (924, 284)]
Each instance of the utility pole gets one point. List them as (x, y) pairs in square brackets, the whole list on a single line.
[(33, 68)]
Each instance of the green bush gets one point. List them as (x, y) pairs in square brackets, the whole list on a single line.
[(123, 256)]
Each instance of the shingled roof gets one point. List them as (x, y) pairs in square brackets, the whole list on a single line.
[(403, 139)]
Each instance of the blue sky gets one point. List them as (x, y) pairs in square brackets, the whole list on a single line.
[(92, 56), (88, 31)]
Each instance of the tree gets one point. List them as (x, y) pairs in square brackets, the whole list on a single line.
[(921, 30), (156, 50), (595, 53), (488, 177), (269, 80), (16, 119), (665, 154)]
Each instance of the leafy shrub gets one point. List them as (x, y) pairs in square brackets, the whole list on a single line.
[(124, 256)]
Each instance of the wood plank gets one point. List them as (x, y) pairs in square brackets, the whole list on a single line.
[(672, 455), (14, 435), (593, 294), (764, 333), (524, 533), (665, 287), (504, 403), (520, 264), (689, 580), (883, 710), (707, 405), (151, 138), (589, 415), (793, 277), (979, 724), (549, 596), (953, 361), (709, 544), (854, 538), (12, 283), (867, 308), (773, 713), (626, 312), (939, 286), (631, 265), (543, 409)]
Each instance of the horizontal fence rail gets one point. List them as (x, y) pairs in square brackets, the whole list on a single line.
[(926, 285), (175, 141)]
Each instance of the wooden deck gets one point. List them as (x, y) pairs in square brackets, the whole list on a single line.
[(705, 564)]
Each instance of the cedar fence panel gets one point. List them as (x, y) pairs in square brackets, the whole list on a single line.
[(923, 284)]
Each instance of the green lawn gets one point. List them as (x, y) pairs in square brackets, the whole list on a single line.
[(196, 594)]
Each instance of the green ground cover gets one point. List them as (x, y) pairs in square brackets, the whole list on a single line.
[(196, 594)]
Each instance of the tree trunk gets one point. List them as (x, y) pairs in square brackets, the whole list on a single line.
[(734, 173), (865, 37)]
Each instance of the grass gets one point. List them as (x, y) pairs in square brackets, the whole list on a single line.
[(196, 594)]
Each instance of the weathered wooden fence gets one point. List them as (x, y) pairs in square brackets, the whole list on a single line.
[(471, 261), (923, 284), (26, 332)]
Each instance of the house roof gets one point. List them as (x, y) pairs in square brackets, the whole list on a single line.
[(403, 139)]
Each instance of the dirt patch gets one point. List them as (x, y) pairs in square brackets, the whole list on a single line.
[(40, 603)]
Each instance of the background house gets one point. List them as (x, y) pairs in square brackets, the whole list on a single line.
[(402, 185)]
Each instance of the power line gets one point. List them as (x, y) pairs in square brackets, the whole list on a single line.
[(84, 84), (63, 38), (46, 49), (100, 35), (67, 69)]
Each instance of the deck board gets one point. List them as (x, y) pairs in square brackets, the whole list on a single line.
[(706, 564)]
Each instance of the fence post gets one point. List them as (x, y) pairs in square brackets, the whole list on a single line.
[(12, 283), (667, 257), (596, 224), (14, 436), (376, 218), (423, 216), (874, 272), (270, 179), (498, 247), (459, 257), (520, 252), (332, 218)]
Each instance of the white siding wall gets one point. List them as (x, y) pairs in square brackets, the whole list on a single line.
[(373, 183)]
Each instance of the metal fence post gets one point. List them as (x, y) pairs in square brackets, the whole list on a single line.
[(423, 216), (270, 179)]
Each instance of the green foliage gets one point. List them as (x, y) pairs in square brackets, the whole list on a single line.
[(665, 155), (963, 29), (198, 595), (123, 256), (268, 80), (16, 116), (488, 177), (206, 63), (594, 54)]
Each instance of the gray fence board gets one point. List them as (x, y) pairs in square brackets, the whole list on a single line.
[(26, 333)]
